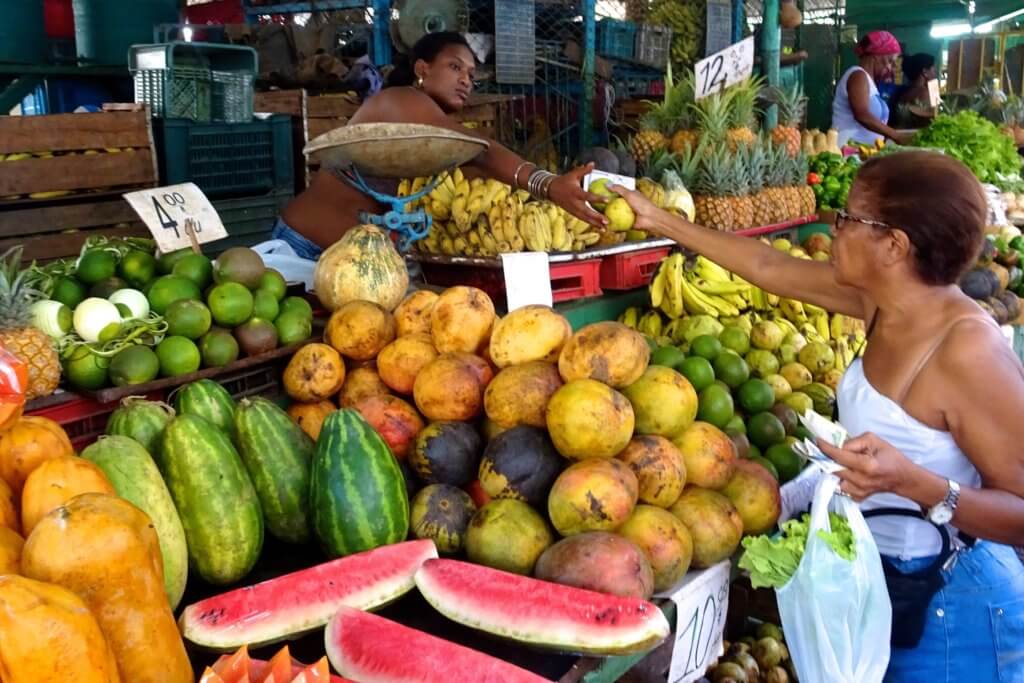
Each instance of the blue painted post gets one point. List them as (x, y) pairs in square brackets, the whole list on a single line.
[(381, 36), (739, 16), (771, 49), (589, 48)]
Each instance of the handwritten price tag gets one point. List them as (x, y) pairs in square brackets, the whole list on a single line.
[(725, 68), (702, 601), (165, 210), (527, 279)]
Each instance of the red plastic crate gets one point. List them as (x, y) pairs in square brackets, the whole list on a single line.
[(83, 418), (570, 280), (575, 280), (631, 270)]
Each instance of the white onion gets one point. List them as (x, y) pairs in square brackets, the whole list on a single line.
[(97, 319), (52, 317), (135, 300)]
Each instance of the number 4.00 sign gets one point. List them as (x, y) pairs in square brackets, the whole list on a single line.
[(725, 68), (166, 210)]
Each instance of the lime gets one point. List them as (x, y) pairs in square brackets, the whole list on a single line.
[(178, 356), (138, 268), (298, 305), (735, 339), (767, 464), (104, 288), (736, 424), (165, 264), (802, 433), (273, 282), (668, 356), (787, 462), (188, 318), (264, 305), (136, 364), (754, 452), (731, 369), (699, 371), (293, 327), (68, 291), (218, 348), (231, 303), (85, 370), (715, 406), (765, 430), (706, 346), (800, 402), (756, 396), (196, 268), (96, 265), (168, 289)]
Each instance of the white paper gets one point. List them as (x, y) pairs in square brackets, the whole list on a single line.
[(934, 97), (527, 279), (798, 493), (702, 602), (724, 68), (613, 179), (164, 210)]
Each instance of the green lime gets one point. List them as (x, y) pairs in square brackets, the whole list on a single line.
[(136, 364), (137, 268), (168, 289), (756, 396), (104, 288), (231, 303), (765, 430), (699, 371), (96, 265), (735, 339), (767, 464), (273, 282), (732, 370), (652, 343), (297, 304), (196, 268), (68, 291), (754, 452), (264, 305), (736, 424), (787, 462), (800, 402), (706, 346), (802, 433), (218, 348), (178, 356), (165, 264), (188, 318), (293, 327), (715, 406), (85, 370), (668, 356)]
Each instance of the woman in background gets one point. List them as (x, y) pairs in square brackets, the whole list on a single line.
[(858, 111)]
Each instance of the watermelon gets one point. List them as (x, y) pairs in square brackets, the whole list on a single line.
[(216, 500), (135, 477), (372, 649), (142, 420), (292, 604), (358, 497), (540, 613), (277, 454), (208, 400)]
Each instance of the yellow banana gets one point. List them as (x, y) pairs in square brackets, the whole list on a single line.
[(710, 270), (821, 324), (590, 239), (793, 310), (836, 325), (630, 317), (657, 286), (693, 304), (650, 324), (716, 286)]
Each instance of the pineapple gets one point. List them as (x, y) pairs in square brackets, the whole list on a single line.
[(757, 162), (682, 101), (714, 207), (777, 178), (792, 104), (712, 116), (794, 180), (654, 128), (17, 334), (743, 113), (808, 202)]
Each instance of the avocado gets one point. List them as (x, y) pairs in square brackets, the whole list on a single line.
[(1012, 304), (979, 284)]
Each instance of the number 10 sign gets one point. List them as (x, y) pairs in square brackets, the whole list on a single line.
[(165, 211), (702, 601), (725, 68)]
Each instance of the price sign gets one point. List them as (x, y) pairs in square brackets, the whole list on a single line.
[(166, 210), (613, 179), (725, 68), (702, 601), (934, 96), (527, 279)]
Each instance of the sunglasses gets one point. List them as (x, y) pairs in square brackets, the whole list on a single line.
[(842, 215)]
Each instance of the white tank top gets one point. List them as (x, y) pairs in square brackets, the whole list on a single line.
[(842, 114), (863, 409)]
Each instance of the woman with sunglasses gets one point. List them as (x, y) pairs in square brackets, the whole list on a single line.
[(936, 406), (433, 84)]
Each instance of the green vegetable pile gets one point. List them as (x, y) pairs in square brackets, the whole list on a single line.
[(831, 177), (975, 141), (772, 561)]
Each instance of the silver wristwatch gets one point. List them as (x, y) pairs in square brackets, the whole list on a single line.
[(942, 513)]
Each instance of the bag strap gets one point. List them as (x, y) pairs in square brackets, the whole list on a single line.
[(947, 544)]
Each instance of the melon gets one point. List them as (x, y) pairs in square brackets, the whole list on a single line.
[(540, 613), (362, 265), (292, 604), (372, 649)]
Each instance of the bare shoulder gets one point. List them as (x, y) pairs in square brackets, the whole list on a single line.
[(975, 343), (396, 105)]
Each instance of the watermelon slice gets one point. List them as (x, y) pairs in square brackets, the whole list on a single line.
[(281, 668), (302, 601), (372, 649), (210, 676), (540, 613)]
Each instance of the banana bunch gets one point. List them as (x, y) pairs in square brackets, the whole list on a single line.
[(631, 317), (687, 21), (701, 287)]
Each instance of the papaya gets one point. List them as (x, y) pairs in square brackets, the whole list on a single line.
[(57, 481), (30, 441), (8, 508), (11, 545)]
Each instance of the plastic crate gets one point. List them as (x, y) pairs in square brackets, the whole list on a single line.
[(616, 38), (515, 59), (653, 45), (226, 159), (570, 280), (631, 270)]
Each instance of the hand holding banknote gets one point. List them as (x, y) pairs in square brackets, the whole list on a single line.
[(870, 465)]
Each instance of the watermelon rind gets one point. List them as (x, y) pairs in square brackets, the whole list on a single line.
[(371, 649), (540, 613), (290, 605), (143, 420), (208, 400)]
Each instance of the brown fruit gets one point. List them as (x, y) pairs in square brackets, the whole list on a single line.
[(360, 329), (519, 395), (55, 482), (709, 454), (413, 315), (361, 383), (715, 526), (310, 416), (659, 468), (664, 540), (315, 373), (755, 493), (400, 361), (450, 388), (461, 320), (609, 352), (598, 561), (588, 419), (530, 333), (597, 494), (26, 444), (396, 421)]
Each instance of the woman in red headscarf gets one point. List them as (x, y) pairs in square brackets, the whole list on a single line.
[(858, 111)]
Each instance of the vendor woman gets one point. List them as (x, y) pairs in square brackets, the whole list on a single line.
[(858, 111), (435, 84)]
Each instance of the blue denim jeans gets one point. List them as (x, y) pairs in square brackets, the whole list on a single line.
[(303, 247), (975, 624)]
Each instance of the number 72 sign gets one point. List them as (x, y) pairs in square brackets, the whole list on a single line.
[(165, 211), (725, 68)]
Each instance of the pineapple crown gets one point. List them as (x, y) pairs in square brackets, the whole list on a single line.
[(713, 178), (687, 164), (712, 114), (743, 109), (757, 163), (16, 296), (778, 163), (673, 111), (792, 104)]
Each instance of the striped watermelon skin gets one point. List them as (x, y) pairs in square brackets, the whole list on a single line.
[(210, 401), (358, 497), (142, 420), (277, 454), (216, 501)]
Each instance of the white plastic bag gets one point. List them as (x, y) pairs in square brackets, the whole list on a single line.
[(836, 613), (280, 256)]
